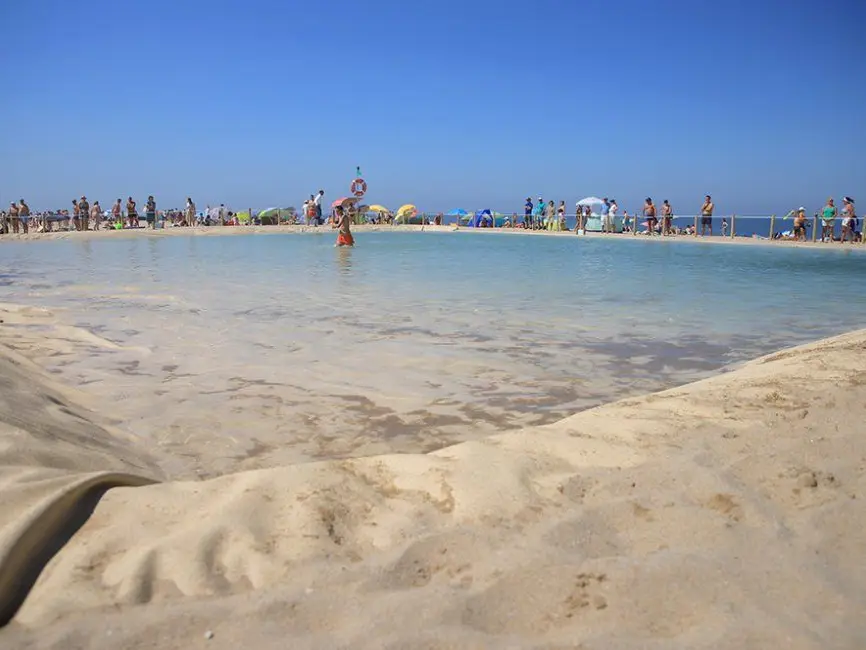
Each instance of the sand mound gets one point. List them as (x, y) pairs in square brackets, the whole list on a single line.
[(724, 514)]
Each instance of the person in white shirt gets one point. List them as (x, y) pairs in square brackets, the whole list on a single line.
[(612, 215), (318, 203), (190, 212), (605, 216)]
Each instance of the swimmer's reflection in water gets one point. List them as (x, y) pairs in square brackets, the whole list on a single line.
[(344, 260)]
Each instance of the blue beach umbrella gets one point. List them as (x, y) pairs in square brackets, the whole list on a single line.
[(480, 217)]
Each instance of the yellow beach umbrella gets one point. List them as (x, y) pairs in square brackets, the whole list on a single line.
[(405, 213), (377, 208)]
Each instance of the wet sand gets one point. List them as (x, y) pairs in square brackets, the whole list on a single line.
[(216, 410)]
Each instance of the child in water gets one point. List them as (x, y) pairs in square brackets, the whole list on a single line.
[(344, 236)]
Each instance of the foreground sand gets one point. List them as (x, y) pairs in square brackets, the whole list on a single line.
[(724, 514), (276, 230)]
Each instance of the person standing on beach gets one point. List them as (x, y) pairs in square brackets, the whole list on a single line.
[(800, 225), (84, 213), (707, 215), (847, 219), (317, 201), (14, 223), (222, 214), (24, 215), (605, 216), (560, 213), (117, 214), (667, 218), (131, 213), (312, 219), (96, 214), (189, 213), (76, 215), (527, 214), (649, 211), (614, 208), (828, 220), (150, 213), (538, 214)]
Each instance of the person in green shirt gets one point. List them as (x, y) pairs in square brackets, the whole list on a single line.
[(828, 220)]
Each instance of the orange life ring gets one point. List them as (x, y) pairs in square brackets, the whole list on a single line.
[(359, 187)]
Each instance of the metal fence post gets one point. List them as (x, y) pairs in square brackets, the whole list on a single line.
[(733, 225), (772, 226), (815, 228), (696, 225)]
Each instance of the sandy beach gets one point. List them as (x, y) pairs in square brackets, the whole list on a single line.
[(722, 514), (275, 230)]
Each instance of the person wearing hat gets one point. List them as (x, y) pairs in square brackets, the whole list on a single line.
[(828, 220), (84, 212), (800, 224), (847, 219)]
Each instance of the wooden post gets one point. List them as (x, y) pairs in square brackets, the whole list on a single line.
[(733, 225), (815, 228), (696, 225), (772, 225)]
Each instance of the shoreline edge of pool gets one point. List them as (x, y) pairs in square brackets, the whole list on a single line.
[(726, 513), (217, 231)]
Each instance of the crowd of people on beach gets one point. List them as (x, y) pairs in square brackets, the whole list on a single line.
[(537, 215), (659, 221), (84, 215)]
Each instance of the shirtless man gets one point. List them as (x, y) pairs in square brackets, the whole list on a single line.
[(707, 215), (800, 225), (649, 211), (131, 213), (24, 215), (14, 223), (344, 235)]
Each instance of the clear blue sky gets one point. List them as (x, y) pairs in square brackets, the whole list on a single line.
[(444, 104)]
